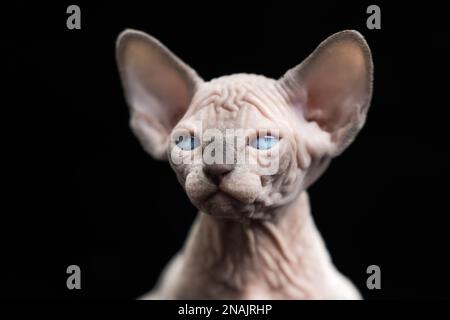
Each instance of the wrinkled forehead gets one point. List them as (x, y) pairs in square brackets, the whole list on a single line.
[(239, 102)]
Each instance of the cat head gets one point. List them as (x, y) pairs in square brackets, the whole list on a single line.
[(243, 145)]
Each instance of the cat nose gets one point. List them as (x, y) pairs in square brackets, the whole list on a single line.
[(217, 171)]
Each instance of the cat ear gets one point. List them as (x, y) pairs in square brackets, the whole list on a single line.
[(333, 87), (158, 88)]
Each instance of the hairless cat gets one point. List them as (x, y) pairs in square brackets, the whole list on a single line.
[(254, 236)]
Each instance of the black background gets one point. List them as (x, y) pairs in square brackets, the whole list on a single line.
[(78, 188)]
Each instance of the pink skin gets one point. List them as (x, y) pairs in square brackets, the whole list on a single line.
[(254, 236)]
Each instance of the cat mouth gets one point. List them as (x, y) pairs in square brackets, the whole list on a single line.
[(224, 201), (221, 193), (221, 204)]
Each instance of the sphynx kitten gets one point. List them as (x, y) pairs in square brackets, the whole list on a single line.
[(254, 236)]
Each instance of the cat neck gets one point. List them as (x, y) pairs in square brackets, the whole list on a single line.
[(283, 252)]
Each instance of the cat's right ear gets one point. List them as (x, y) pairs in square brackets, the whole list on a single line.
[(158, 87)]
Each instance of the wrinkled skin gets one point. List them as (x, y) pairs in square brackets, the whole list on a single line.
[(254, 236)]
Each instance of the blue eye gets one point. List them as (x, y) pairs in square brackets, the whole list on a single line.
[(264, 143), (187, 142)]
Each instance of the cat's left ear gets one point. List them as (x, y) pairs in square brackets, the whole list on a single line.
[(158, 87), (333, 87)]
